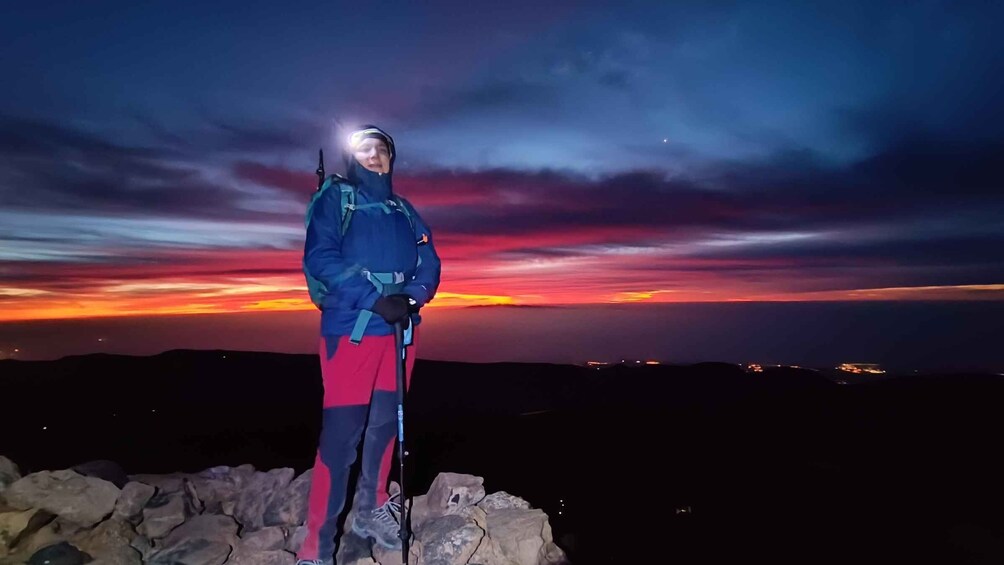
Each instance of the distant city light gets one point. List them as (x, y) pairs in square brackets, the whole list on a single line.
[(754, 368), (858, 368)]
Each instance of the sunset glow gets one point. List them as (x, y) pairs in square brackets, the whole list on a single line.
[(630, 157)]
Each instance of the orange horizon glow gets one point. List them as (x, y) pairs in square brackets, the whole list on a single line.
[(594, 267), (180, 298)]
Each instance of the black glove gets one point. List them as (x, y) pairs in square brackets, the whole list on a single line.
[(413, 306), (393, 308)]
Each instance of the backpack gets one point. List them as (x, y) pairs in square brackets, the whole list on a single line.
[(316, 289)]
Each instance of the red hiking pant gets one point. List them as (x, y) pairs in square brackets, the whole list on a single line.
[(360, 399)]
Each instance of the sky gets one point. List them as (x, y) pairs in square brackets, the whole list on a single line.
[(156, 158)]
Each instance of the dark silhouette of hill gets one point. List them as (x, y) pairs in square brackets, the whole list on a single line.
[(700, 463)]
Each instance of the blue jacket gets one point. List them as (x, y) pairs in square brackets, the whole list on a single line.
[(375, 242)]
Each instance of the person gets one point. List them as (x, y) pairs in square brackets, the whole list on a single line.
[(383, 269)]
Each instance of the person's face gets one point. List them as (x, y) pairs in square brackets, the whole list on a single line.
[(373, 154)]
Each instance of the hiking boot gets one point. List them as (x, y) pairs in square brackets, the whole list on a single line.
[(316, 562), (382, 524)]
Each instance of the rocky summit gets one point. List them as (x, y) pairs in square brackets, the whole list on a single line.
[(95, 513)]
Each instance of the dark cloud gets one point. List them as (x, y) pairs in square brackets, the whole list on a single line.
[(298, 183), (52, 168)]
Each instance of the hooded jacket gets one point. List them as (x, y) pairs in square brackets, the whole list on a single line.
[(375, 242)]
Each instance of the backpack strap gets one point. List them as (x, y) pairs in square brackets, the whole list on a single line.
[(348, 205)]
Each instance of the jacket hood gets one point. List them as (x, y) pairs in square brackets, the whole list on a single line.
[(379, 186)]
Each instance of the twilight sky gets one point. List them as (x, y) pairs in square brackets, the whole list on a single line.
[(156, 158)]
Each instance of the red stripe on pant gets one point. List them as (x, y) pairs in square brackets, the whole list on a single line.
[(360, 397)]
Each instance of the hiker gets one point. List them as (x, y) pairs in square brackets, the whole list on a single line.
[(370, 262)]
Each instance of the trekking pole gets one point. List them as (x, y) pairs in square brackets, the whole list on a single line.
[(401, 383)]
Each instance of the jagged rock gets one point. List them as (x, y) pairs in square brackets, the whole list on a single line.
[(384, 556), (351, 547), (449, 540), (489, 553), (289, 507), (524, 536), (191, 552), (182, 520), (143, 545), (132, 499), (210, 527), (103, 469), (502, 499), (43, 530), (79, 499), (273, 557), (219, 487), (258, 493), (62, 553), (109, 542), (452, 492), (8, 473), (265, 539), (294, 538), (193, 505), (12, 524), (119, 556), (165, 484), (162, 513)]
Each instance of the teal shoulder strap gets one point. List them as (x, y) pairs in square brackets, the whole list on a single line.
[(348, 204), (404, 208), (348, 199)]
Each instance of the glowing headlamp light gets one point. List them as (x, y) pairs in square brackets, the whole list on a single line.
[(357, 137)]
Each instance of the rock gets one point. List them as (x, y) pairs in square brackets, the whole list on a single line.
[(258, 493), (352, 548), (8, 473), (108, 540), (191, 552), (295, 537), (452, 492), (273, 557), (449, 540), (289, 507), (165, 484), (51, 532), (103, 469), (265, 539), (219, 487), (502, 499), (523, 536), (61, 553), (119, 556), (211, 527), (384, 556), (82, 500), (489, 553), (193, 505), (162, 514), (132, 499), (143, 545), (12, 524)]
